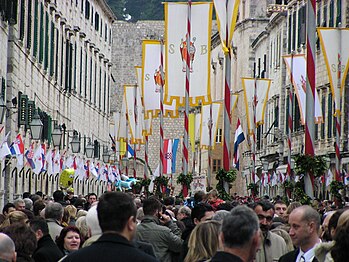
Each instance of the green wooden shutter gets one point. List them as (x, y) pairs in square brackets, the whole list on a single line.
[(52, 50), (36, 24), (29, 25), (339, 12), (329, 116), (22, 23), (331, 22), (42, 32), (47, 42)]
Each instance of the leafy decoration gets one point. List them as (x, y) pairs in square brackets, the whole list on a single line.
[(161, 181), (224, 176), (254, 188), (305, 164), (300, 195), (185, 179), (335, 187)]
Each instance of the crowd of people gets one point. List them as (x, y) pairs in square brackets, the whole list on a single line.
[(119, 226)]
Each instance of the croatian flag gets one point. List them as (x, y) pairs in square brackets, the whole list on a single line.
[(17, 147), (167, 159), (239, 138), (29, 155)]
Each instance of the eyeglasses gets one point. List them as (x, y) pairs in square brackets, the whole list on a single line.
[(268, 218)]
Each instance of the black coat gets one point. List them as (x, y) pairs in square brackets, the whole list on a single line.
[(225, 257), (47, 250), (110, 247), (292, 256)]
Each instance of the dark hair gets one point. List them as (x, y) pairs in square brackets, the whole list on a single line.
[(39, 223), (64, 232), (23, 237), (7, 207), (39, 193), (199, 196), (225, 206), (26, 195), (114, 209), (35, 198), (38, 206), (79, 203), (279, 201), (199, 211), (91, 194), (58, 196), (239, 226), (151, 205), (169, 201), (332, 223), (266, 205), (340, 250)]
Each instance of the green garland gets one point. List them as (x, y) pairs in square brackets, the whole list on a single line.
[(254, 188), (185, 179), (161, 181), (335, 187), (300, 195), (288, 185), (305, 164), (224, 176)]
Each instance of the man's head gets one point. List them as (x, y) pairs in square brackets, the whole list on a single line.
[(39, 226), (19, 204), (212, 195), (7, 248), (54, 211), (280, 208), (199, 196), (92, 197), (265, 213), (8, 208), (183, 212), (240, 230), (304, 227), (151, 206), (325, 232), (58, 196), (117, 212), (201, 212)]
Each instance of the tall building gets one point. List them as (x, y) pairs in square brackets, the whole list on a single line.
[(56, 61)]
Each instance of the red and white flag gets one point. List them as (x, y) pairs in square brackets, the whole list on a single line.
[(167, 160)]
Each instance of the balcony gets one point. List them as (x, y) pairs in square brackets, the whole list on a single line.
[(276, 8)]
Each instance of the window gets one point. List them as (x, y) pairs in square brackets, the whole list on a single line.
[(323, 108), (52, 50), (85, 93), (259, 136), (21, 22), (301, 26), (95, 86), (219, 135), (324, 22), (339, 12), (42, 25), (29, 24), (100, 89), (329, 116), (36, 24), (294, 16), (87, 10), (75, 57), (106, 33), (57, 54), (105, 91), (331, 21), (91, 79), (296, 115), (47, 41), (216, 165), (289, 34), (80, 84), (96, 21)]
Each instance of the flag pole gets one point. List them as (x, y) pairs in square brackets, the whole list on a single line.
[(146, 157), (290, 120), (135, 134), (187, 88), (209, 171), (338, 113), (227, 100), (254, 126), (310, 91), (161, 168)]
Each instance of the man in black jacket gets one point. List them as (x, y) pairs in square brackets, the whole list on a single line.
[(117, 219), (47, 250)]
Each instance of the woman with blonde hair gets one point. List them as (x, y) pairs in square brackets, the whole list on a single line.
[(204, 241), (17, 217)]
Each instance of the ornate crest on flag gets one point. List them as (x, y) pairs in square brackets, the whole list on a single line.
[(158, 80), (183, 50)]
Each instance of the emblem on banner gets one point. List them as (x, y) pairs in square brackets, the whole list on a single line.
[(157, 80), (183, 50)]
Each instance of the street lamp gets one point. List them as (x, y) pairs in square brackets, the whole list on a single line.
[(105, 155), (2, 109), (36, 126), (89, 149), (75, 143), (56, 135)]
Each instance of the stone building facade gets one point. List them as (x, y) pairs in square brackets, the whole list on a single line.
[(57, 61)]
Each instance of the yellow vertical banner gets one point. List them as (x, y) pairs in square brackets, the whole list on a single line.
[(122, 145), (192, 131)]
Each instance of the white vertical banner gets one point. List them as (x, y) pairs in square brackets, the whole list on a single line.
[(140, 107), (197, 125), (205, 120), (151, 81), (334, 44), (122, 120), (263, 85), (135, 127), (176, 17), (299, 83), (148, 130), (227, 12)]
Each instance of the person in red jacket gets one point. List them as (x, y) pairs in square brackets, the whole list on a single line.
[(213, 199)]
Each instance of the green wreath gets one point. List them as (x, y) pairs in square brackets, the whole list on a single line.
[(185, 179), (305, 164), (224, 176)]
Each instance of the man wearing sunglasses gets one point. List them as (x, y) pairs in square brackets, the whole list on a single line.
[(272, 246)]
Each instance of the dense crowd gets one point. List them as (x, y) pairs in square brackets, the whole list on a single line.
[(126, 227)]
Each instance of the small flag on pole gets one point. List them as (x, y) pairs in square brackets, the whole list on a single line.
[(239, 138)]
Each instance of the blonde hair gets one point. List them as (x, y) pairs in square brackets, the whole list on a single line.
[(71, 210), (204, 241), (17, 217)]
